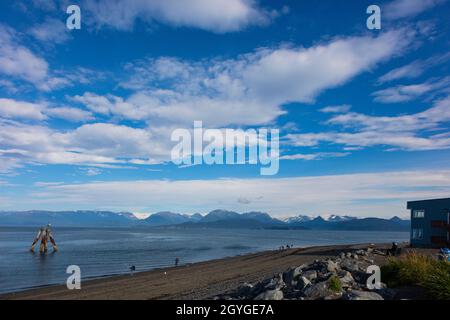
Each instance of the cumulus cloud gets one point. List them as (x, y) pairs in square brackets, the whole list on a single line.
[(16, 109), (13, 109), (212, 15), (70, 114), (90, 144), (356, 194)]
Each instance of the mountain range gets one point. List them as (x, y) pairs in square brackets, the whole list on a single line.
[(214, 219)]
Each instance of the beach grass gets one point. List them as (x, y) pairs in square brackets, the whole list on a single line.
[(419, 269)]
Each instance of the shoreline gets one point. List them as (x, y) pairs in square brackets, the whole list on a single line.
[(200, 280)]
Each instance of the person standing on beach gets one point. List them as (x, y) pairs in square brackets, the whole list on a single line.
[(177, 260)]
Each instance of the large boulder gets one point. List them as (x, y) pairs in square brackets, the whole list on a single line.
[(361, 277), (310, 274), (246, 290), (276, 294), (362, 295), (346, 279), (302, 283), (275, 283), (319, 290), (350, 265), (290, 277), (332, 266)]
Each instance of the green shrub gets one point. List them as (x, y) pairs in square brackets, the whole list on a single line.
[(334, 284), (437, 282), (417, 269)]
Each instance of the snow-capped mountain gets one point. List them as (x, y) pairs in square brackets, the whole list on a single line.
[(336, 218), (324, 217), (298, 219)]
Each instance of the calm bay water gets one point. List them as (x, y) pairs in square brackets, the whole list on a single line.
[(101, 252)]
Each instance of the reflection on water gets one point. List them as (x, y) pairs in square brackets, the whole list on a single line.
[(101, 252)]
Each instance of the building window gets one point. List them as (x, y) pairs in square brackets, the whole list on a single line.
[(417, 233), (418, 213)]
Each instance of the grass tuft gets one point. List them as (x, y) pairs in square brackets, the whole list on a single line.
[(418, 269), (334, 284)]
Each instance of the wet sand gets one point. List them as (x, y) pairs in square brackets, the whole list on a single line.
[(201, 280)]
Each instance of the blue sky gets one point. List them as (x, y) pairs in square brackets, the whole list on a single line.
[(86, 115)]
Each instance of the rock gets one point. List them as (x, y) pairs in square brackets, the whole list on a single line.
[(275, 283), (310, 274), (342, 255), (334, 296), (362, 295), (361, 277), (371, 261), (290, 277), (346, 279), (302, 283), (348, 254), (317, 291), (386, 293), (355, 256), (332, 266), (245, 290), (270, 295), (349, 265)]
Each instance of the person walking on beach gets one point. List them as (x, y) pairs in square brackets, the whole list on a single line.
[(177, 260)]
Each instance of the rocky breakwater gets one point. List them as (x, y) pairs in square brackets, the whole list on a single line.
[(342, 277)]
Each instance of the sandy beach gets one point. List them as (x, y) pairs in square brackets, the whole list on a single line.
[(195, 281)]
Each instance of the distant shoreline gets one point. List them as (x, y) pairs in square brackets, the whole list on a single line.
[(199, 280)]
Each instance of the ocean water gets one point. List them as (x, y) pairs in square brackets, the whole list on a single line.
[(102, 252)]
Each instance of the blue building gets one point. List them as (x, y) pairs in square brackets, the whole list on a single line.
[(430, 223)]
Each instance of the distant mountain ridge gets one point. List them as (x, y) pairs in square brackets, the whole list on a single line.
[(214, 219)]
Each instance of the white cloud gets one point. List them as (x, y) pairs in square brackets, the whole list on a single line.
[(336, 109), (414, 69), (365, 194), (300, 75), (248, 90), (22, 66), (70, 114), (91, 144), (409, 71), (212, 15), (314, 156), (404, 93), (50, 31), (92, 171), (419, 131), (18, 61), (13, 109), (408, 8)]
